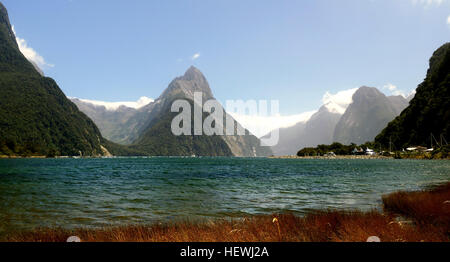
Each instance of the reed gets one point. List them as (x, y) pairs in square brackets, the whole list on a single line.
[(320, 226), (428, 206), (427, 212)]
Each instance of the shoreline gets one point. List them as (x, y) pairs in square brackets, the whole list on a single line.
[(332, 157), (418, 157), (407, 216)]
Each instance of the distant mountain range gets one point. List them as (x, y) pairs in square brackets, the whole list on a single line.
[(115, 124), (317, 130), (147, 129), (367, 114), (421, 119), (36, 118)]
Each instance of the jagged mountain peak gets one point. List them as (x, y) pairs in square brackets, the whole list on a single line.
[(192, 81), (365, 92), (193, 73), (370, 111)]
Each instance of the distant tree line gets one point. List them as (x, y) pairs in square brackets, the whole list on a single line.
[(336, 148), (442, 152)]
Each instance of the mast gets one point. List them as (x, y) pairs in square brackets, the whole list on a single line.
[(390, 144), (443, 140)]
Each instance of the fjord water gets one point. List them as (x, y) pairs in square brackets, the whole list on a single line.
[(100, 192)]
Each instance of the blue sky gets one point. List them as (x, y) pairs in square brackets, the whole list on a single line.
[(293, 51)]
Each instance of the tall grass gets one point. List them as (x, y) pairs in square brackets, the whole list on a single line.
[(428, 210), (323, 226), (429, 206)]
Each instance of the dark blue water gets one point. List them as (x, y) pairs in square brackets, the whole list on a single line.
[(98, 192)]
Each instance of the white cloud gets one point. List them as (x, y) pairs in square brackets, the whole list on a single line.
[(111, 106), (390, 87), (30, 53), (338, 103), (393, 89), (448, 20), (428, 3), (262, 125), (195, 56)]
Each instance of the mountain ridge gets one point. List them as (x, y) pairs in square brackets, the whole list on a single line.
[(36, 118), (321, 127), (427, 112), (184, 87), (139, 129), (367, 115)]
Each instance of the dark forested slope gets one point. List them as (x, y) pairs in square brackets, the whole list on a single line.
[(36, 118), (428, 112)]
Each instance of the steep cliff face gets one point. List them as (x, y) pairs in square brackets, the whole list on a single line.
[(36, 118), (157, 125), (428, 112), (11, 59), (147, 130), (399, 103), (369, 113)]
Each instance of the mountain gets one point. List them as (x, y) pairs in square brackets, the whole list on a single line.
[(114, 123), (317, 130), (36, 118), (38, 69), (124, 125), (359, 122), (399, 103), (367, 115), (157, 124), (148, 129), (156, 138), (182, 87), (428, 112)]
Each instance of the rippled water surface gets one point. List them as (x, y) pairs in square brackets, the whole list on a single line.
[(96, 192)]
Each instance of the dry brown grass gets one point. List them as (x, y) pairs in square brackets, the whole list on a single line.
[(427, 209), (326, 226), (429, 206)]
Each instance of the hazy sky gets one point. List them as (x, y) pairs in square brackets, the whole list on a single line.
[(293, 51)]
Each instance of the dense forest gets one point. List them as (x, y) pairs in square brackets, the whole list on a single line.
[(336, 148), (36, 118), (428, 112)]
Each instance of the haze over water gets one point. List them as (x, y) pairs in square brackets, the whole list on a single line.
[(100, 192)]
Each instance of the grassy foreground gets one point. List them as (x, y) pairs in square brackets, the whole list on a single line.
[(425, 216)]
